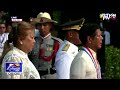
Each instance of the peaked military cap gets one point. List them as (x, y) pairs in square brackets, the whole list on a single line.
[(76, 25)]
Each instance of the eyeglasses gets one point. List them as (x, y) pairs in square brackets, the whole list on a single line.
[(2, 27)]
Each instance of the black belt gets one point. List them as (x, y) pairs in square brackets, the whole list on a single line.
[(41, 72)]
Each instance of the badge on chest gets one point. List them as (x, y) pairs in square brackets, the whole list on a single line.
[(49, 47), (48, 50)]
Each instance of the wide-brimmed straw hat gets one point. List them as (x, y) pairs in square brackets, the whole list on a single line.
[(43, 18)]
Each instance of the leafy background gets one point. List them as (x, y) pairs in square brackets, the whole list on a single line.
[(112, 65)]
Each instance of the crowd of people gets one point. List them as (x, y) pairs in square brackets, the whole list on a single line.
[(28, 50)]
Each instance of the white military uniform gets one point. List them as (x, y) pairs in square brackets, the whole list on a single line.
[(83, 67), (64, 58)]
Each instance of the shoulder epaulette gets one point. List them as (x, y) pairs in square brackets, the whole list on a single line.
[(58, 39), (66, 47)]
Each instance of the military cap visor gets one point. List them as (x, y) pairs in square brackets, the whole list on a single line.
[(76, 25)]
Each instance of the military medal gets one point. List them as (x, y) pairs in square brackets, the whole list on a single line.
[(50, 48)]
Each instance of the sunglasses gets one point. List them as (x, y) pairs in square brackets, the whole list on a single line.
[(2, 27)]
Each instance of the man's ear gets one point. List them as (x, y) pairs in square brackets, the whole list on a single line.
[(70, 34), (89, 39)]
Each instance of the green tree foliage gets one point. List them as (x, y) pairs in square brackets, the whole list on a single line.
[(3, 16), (56, 15), (112, 56)]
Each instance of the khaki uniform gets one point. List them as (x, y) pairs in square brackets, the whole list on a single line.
[(42, 53)]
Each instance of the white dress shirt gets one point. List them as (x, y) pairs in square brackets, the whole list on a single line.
[(107, 37), (83, 67), (64, 59), (3, 39)]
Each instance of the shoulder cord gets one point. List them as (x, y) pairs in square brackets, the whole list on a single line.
[(49, 58)]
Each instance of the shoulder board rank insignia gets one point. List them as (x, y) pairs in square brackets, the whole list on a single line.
[(66, 46), (73, 52)]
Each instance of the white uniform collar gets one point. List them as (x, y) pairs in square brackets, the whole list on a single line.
[(46, 36)]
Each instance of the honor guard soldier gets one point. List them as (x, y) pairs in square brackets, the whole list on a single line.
[(68, 49), (46, 46)]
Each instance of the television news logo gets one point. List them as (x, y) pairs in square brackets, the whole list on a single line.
[(15, 19), (13, 68), (108, 16)]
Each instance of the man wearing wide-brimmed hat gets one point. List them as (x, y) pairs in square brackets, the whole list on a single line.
[(68, 49), (46, 46), (43, 17)]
